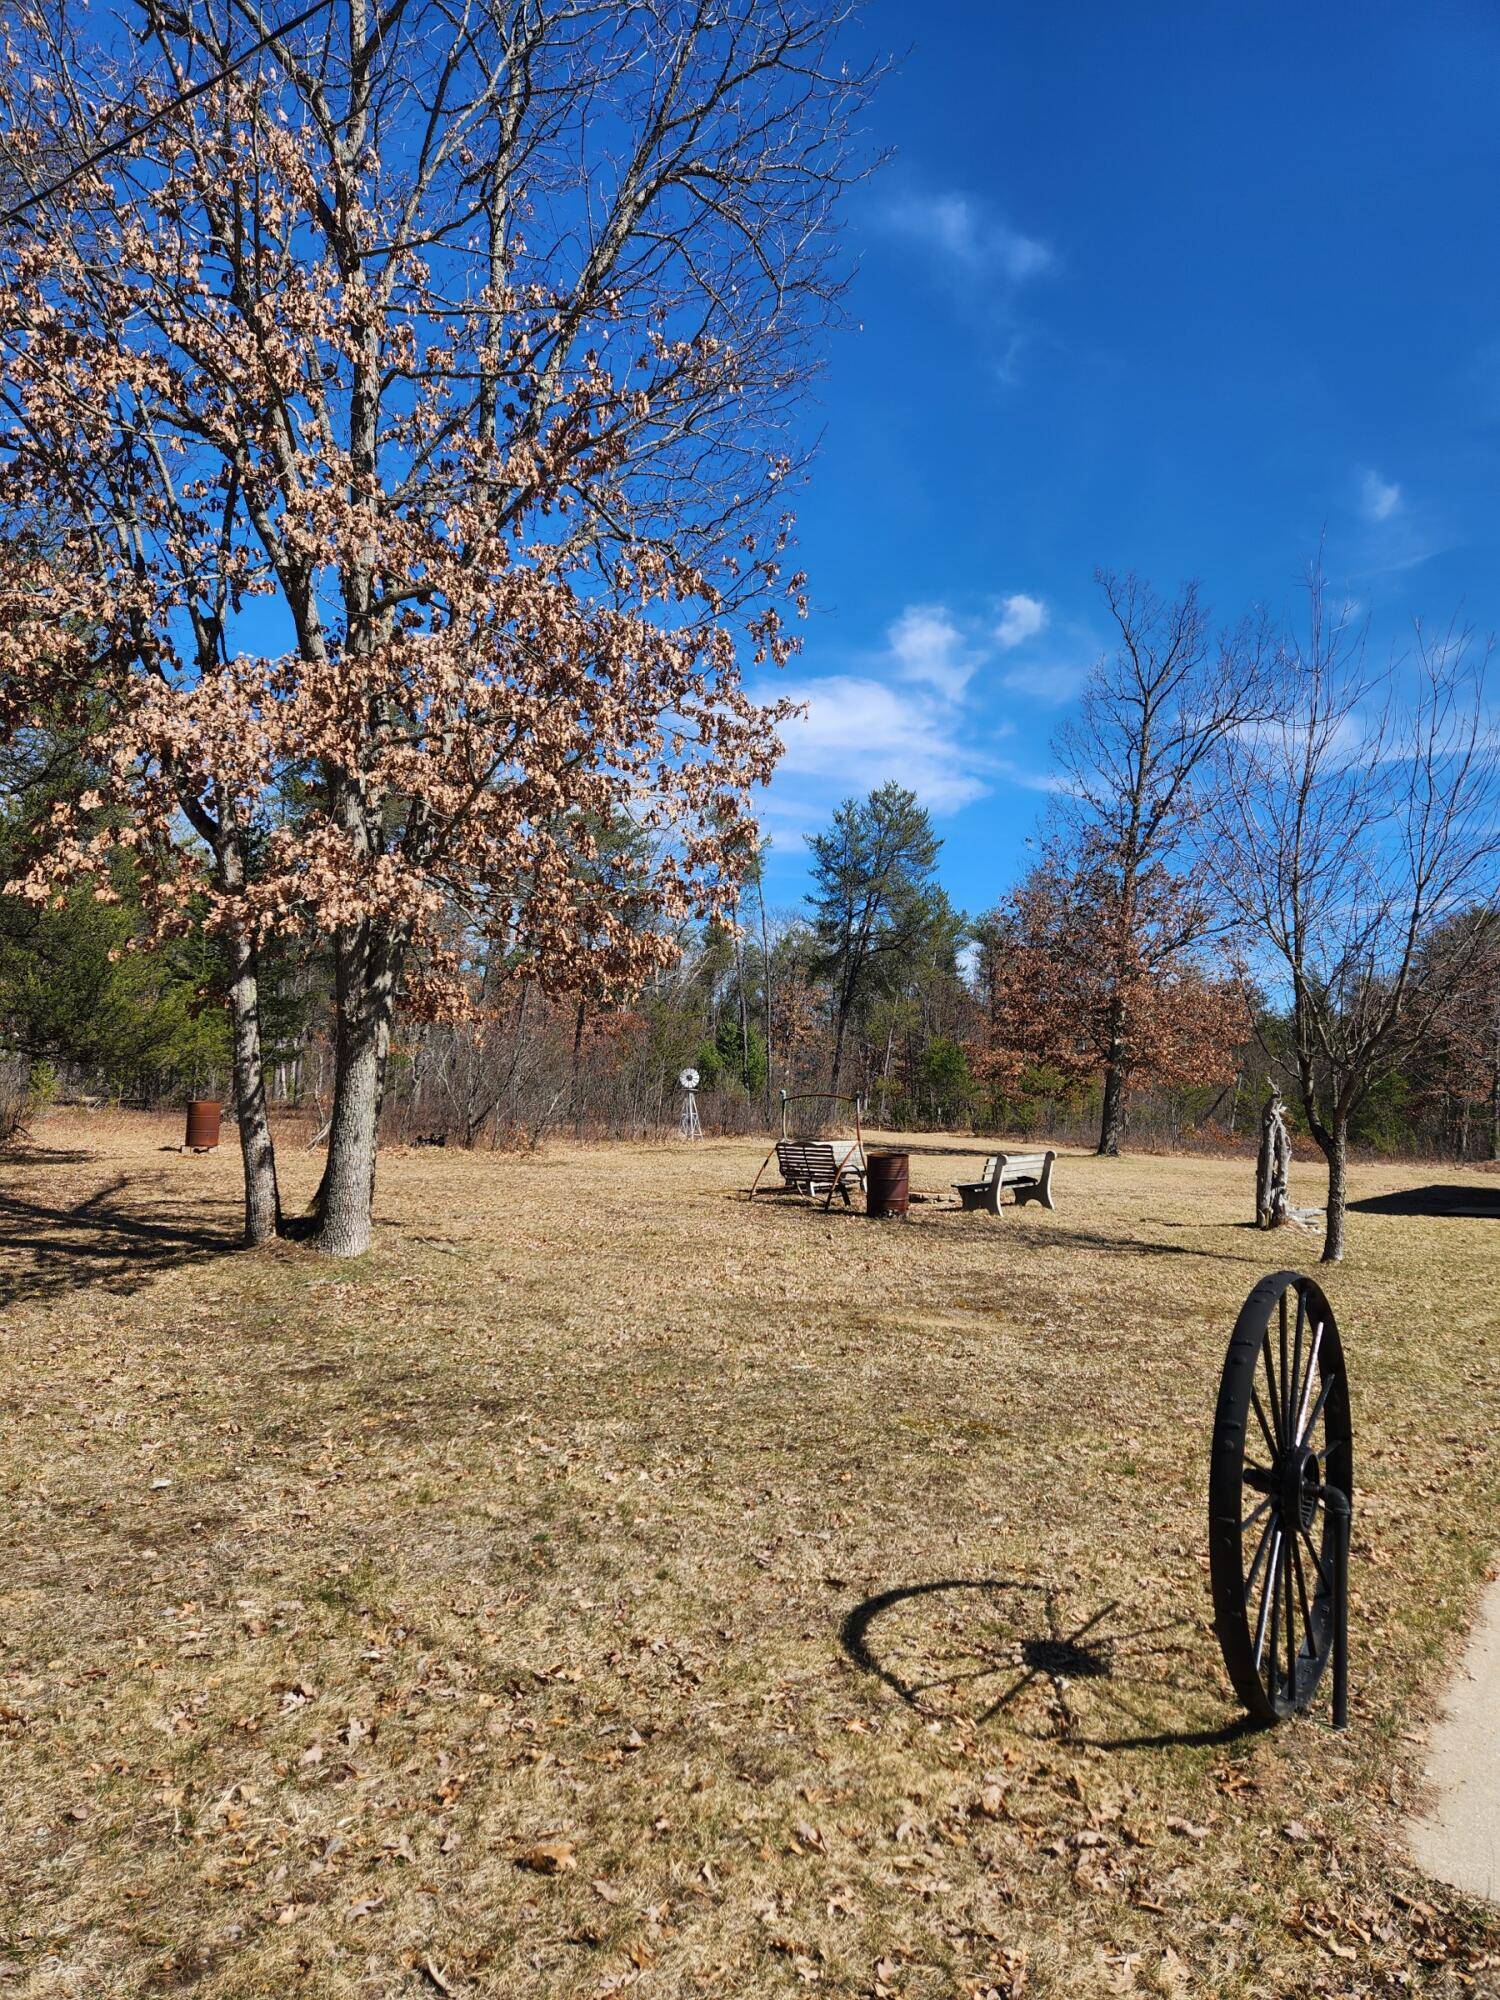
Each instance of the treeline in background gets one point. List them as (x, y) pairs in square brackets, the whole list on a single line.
[(877, 985)]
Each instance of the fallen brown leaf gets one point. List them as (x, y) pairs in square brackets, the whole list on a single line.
[(549, 1857)]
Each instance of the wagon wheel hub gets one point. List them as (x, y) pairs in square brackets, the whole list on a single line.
[(1295, 1482)]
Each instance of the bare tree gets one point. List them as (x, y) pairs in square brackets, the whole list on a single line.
[(1138, 763), (1457, 1073), (1367, 811)]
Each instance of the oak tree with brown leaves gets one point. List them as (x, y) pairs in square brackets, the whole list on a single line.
[(1062, 990), (412, 389)]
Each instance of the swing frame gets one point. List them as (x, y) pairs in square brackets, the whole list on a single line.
[(814, 1166)]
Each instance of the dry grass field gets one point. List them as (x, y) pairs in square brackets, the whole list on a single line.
[(609, 1586)]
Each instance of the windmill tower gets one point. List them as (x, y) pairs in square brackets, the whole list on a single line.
[(689, 1127)]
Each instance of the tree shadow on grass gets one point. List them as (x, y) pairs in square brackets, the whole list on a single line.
[(108, 1239), (1438, 1198), (984, 1650)]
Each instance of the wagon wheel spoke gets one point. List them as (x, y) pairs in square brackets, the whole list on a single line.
[(1272, 1444), (1286, 1407), (1323, 1577), (1278, 1595), (1269, 1599), (1275, 1393), (1303, 1421), (1307, 1617), (1265, 1536), (1317, 1410)]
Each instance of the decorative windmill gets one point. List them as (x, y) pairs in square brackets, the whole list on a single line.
[(690, 1128)]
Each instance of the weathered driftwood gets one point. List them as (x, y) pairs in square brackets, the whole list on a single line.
[(1273, 1165)]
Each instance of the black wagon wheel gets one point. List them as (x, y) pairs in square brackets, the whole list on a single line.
[(1281, 1447)]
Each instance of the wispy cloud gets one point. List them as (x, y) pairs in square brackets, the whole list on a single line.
[(927, 646), (1379, 499), (986, 265), (1049, 683), (966, 233), (1397, 532), (1021, 618)]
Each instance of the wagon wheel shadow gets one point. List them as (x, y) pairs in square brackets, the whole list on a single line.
[(982, 1650)]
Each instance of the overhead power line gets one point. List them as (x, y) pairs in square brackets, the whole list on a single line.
[(160, 117)]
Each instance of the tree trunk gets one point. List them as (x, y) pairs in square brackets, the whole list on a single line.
[(885, 1071), (845, 1007), (573, 1104), (1112, 1116), (365, 984), (1335, 1144), (744, 1004), (262, 1195), (765, 955), (1112, 1113)]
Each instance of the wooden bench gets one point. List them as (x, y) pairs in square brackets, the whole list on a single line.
[(821, 1167), (1030, 1174)]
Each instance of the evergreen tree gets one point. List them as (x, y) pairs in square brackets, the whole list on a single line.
[(875, 902)]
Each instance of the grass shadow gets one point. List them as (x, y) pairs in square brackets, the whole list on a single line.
[(106, 1239), (1120, 1246), (27, 1153), (979, 1650)]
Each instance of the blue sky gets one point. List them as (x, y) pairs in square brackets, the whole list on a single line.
[(1181, 289)]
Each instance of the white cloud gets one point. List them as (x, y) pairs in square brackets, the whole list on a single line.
[(1379, 498), (927, 646), (965, 233), (920, 710), (1021, 618), (858, 732)]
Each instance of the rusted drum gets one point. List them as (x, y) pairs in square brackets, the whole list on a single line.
[(887, 1183), (204, 1114)]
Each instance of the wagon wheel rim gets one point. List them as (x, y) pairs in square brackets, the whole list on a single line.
[(1281, 1441)]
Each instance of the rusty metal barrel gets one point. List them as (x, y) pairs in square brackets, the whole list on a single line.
[(887, 1184), (203, 1116)]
